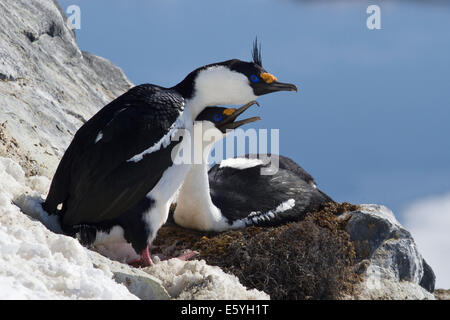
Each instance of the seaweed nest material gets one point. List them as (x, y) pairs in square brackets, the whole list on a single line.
[(309, 259)]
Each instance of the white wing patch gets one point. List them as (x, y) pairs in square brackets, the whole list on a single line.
[(256, 217), (163, 142), (240, 163), (99, 137)]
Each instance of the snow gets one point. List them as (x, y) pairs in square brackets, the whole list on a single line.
[(197, 280), (36, 263)]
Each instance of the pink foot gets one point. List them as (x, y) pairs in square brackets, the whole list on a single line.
[(143, 261)]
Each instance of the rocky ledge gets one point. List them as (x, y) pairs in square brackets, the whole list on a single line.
[(342, 251), (48, 88)]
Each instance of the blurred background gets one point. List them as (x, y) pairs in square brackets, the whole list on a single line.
[(371, 120)]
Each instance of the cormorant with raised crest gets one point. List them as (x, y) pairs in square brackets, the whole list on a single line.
[(117, 178)]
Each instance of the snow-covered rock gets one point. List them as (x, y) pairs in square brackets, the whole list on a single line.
[(48, 86), (392, 266), (48, 89), (36, 263)]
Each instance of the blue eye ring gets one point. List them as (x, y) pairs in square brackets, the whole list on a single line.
[(254, 78), (217, 117)]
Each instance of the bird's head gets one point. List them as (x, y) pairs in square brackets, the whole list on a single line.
[(232, 82), (225, 119), (212, 125)]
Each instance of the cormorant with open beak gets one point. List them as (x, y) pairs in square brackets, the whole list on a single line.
[(234, 193)]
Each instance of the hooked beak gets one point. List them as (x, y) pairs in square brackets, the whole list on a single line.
[(280, 86), (229, 122), (270, 84)]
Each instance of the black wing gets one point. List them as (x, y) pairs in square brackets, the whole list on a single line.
[(285, 163), (239, 192), (94, 181)]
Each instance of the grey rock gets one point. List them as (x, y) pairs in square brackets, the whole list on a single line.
[(389, 260), (48, 89), (428, 280), (48, 86)]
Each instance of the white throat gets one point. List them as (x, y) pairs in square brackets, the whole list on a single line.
[(219, 85), (195, 208)]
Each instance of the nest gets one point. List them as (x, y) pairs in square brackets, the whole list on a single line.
[(309, 259)]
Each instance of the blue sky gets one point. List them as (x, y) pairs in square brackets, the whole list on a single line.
[(371, 120)]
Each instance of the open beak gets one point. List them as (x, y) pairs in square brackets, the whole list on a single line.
[(229, 123)]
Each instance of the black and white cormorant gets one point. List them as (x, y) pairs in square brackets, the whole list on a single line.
[(234, 193), (117, 178)]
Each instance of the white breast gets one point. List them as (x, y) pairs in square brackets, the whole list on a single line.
[(165, 190)]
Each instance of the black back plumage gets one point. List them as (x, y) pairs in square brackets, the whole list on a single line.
[(239, 192), (94, 182)]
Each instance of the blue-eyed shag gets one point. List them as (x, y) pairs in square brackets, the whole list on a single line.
[(118, 173), (234, 194)]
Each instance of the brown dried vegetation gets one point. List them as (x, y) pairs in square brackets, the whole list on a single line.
[(310, 259)]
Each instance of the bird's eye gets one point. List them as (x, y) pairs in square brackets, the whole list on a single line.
[(217, 117), (254, 78)]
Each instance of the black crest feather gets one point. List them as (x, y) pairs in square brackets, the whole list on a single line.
[(256, 53)]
